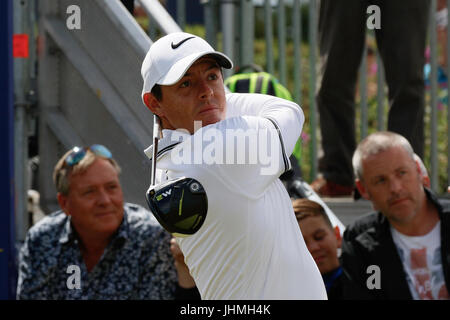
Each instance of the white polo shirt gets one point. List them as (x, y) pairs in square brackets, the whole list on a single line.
[(250, 245)]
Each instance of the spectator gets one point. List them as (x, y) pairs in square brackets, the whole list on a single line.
[(323, 242), (238, 250), (96, 246), (342, 30), (402, 251)]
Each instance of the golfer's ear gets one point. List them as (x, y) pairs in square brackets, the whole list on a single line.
[(151, 102)]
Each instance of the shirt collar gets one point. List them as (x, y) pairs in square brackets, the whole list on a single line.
[(167, 142), (330, 277), (67, 233), (123, 233), (434, 199)]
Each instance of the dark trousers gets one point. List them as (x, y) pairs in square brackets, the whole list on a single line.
[(401, 43)]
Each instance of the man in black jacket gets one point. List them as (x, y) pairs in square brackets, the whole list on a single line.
[(403, 250)]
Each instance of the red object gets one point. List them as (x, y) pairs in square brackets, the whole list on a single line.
[(327, 188), (20, 46)]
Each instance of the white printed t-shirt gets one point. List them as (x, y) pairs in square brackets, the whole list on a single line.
[(421, 258), (250, 245)]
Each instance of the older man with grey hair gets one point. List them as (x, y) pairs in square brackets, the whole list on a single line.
[(402, 251), (97, 246)]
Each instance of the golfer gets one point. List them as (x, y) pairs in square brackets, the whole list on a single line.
[(236, 146)]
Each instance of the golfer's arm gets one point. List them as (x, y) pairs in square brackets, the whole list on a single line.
[(278, 124), (287, 117)]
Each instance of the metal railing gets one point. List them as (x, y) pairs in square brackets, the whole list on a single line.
[(235, 19)]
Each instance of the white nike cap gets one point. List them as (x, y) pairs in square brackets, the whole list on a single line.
[(171, 56)]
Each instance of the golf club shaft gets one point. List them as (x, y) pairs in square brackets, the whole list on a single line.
[(156, 129)]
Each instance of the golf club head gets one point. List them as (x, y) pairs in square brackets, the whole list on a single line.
[(180, 205)]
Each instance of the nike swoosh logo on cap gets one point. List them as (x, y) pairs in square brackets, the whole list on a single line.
[(174, 46)]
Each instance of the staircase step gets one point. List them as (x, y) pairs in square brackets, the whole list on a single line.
[(347, 209)]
